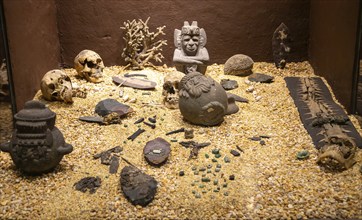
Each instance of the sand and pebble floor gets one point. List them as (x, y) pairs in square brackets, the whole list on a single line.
[(268, 181)]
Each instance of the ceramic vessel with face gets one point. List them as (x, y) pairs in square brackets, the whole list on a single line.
[(37, 146)]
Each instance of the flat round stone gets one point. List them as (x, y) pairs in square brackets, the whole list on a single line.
[(156, 151)]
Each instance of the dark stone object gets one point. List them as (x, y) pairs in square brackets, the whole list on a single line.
[(280, 44), (88, 183), (235, 153), (255, 138), (108, 106), (239, 65), (139, 121), (229, 84), (237, 98), (262, 142), (260, 77), (139, 188), (176, 131), (134, 82), (92, 119), (182, 173), (37, 146), (136, 134), (202, 100), (189, 133), (157, 151), (114, 164), (232, 177)]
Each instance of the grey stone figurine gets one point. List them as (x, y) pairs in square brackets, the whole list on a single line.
[(37, 146), (203, 101), (190, 54)]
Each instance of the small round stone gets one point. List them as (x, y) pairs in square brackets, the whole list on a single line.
[(216, 151), (226, 193), (235, 153), (217, 155), (214, 160), (194, 168), (232, 177), (181, 173), (218, 165), (225, 185), (217, 170), (205, 179), (216, 181), (207, 156), (202, 169), (302, 155), (262, 142), (201, 186), (196, 173), (227, 159), (209, 166)]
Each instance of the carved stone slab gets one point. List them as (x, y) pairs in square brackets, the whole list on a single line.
[(293, 83), (134, 82)]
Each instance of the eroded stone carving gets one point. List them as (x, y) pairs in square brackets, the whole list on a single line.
[(56, 86), (171, 88), (142, 46), (339, 149), (89, 65), (280, 43), (202, 100), (190, 54), (37, 146)]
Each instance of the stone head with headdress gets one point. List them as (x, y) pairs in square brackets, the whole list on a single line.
[(190, 39)]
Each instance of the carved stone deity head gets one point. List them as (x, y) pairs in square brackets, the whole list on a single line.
[(190, 38)]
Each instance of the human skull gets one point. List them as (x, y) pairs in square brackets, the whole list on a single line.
[(171, 89), (89, 65), (56, 86)]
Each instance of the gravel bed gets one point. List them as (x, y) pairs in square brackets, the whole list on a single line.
[(265, 181)]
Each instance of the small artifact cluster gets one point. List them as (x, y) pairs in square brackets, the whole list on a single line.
[(142, 46)]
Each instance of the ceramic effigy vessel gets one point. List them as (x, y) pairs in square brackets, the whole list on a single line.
[(37, 146), (202, 100)]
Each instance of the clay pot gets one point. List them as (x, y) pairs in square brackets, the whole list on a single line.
[(37, 146), (202, 101)]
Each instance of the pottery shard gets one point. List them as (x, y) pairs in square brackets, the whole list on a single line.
[(157, 151), (239, 65), (139, 188), (229, 84), (260, 77), (108, 106)]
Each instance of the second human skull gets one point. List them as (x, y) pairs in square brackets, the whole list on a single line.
[(89, 65), (171, 89), (56, 86)]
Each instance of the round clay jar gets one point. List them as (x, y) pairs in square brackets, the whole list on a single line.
[(202, 101)]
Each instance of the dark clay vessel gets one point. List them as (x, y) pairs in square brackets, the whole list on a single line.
[(202, 100), (37, 146)]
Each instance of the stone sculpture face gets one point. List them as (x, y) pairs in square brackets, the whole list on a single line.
[(190, 54), (190, 44), (56, 86), (89, 65), (171, 88)]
